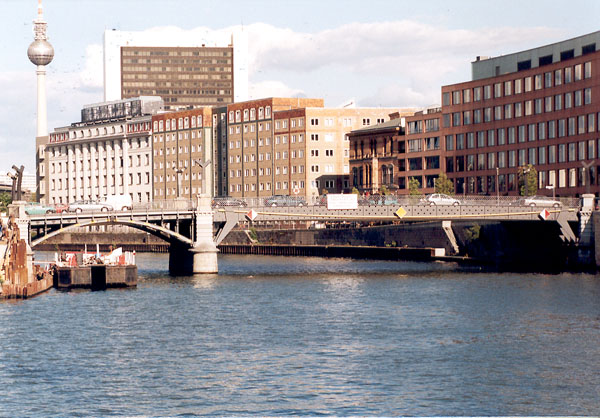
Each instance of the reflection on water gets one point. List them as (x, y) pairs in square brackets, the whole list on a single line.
[(307, 336)]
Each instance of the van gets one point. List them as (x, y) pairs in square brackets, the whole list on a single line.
[(118, 202)]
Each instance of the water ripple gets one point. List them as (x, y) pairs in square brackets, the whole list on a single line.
[(306, 336)]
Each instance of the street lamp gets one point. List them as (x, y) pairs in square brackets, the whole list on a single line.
[(178, 171), (203, 165), (497, 188)]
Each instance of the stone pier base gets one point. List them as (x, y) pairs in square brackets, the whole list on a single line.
[(201, 259)]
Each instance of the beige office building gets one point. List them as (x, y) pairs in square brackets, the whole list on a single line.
[(292, 146)]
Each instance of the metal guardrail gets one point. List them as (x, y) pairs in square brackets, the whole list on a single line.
[(320, 201)]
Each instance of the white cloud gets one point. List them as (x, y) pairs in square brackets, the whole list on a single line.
[(92, 74), (397, 63), (363, 47), (273, 89)]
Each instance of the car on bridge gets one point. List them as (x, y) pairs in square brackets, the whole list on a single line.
[(89, 206), (542, 201), (284, 200), (38, 209), (228, 201), (440, 199)]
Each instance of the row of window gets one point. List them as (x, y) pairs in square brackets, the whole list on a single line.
[(182, 150), (250, 128), (181, 123), (572, 126), (134, 161), (551, 154), (249, 114), (266, 141), (173, 177), (517, 86), (519, 109), (57, 184)]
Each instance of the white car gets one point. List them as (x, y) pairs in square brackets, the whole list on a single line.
[(533, 201), (440, 199), (89, 206)]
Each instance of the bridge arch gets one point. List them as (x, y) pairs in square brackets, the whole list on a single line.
[(156, 230)]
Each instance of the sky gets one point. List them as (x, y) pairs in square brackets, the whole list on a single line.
[(390, 53)]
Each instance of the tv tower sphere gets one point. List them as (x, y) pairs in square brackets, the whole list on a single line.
[(40, 52)]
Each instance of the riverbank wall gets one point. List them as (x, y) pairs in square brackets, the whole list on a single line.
[(505, 245)]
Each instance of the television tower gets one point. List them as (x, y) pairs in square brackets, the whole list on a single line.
[(40, 53)]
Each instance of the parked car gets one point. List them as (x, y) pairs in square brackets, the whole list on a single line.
[(61, 207), (533, 201), (284, 200), (118, 202), (39, 209), (440, 199), (89, 206), (218, 202)]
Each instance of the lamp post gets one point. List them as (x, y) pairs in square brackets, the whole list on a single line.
[(497, 188), (551, 187), (178, 171), (203, 165)]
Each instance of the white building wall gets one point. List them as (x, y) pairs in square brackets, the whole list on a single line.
[(100, 160)]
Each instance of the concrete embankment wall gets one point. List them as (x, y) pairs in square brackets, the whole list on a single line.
[(510, 245)]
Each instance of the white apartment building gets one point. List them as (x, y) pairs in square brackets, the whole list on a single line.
[(108, 154)]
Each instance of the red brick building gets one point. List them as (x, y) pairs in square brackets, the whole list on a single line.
[(539, 107)]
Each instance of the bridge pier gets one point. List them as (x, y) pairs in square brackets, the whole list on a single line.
[(202, 257)]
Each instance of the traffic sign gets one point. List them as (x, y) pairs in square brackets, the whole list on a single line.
[(400, 212), (251, 215), (296, 190), (544, 214)]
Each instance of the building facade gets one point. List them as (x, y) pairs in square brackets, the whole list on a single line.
[(291, 146), (187, 72), (537, 109), (544, 114), (108, 153), (181, 145)]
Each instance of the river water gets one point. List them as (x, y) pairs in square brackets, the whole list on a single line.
[(307, 336)]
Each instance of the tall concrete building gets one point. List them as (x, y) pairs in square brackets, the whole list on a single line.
[(186, 72), (108, 153)]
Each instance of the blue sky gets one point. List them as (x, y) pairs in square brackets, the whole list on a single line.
[(379, 53)]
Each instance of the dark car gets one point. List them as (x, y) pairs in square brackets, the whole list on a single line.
[(228, 202), (284, 200)]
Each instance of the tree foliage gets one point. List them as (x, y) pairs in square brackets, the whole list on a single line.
[(444, 185), (384, 190), (414, 187), (528, 180), (355, 191), (5, 200)]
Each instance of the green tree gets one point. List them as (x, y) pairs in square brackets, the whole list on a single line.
[(384, 190), (444, 185), (355, 191), (414, 187), (528, 183), (5, 200)]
